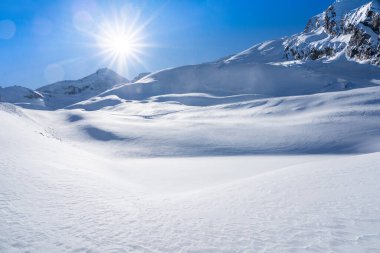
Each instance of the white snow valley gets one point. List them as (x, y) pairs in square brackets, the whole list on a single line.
[(274, 149)]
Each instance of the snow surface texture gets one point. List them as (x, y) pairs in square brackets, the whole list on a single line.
[(72, 188)]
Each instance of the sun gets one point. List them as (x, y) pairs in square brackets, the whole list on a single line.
[(121, 42), (121, 46)]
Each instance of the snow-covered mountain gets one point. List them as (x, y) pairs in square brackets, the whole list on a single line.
[(348, 27), (338, 50), (64, 93), (21, 96)]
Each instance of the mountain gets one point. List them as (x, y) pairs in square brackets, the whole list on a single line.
[(343, 29), (338, 50), (348, 29), (21, 96), (64, 93)]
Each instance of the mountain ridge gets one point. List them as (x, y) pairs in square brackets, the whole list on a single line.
[(64, 93)]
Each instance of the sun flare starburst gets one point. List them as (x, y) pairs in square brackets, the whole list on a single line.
[(121, 45), (121, 42)]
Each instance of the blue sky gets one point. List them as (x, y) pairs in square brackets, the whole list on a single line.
[(40, 41)]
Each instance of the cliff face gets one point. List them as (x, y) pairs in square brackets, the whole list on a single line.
[(338, 31)]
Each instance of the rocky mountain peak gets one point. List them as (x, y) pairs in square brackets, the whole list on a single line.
[(347, 27)]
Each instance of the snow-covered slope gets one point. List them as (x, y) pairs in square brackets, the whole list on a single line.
[(139, 76), (68, 185), (64, 93), (235, 78), (324, 123)]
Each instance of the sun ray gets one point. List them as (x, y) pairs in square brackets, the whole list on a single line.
[(121, 40)]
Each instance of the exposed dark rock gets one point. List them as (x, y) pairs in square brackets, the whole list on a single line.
[(329, 19), (72, 90)]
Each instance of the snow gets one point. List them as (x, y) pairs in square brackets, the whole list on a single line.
[(359, 15), (140, 76), (342, 7), (263, 52), (65, 189), (194, 125), (256, 152), (201, 99), (236, 78)]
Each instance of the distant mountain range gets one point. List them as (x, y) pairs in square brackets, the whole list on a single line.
[(338, 50), (63, 93)]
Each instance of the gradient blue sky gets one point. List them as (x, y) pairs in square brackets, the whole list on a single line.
[(182, 32)]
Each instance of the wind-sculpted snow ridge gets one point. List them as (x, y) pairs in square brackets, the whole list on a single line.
[(344, 122)]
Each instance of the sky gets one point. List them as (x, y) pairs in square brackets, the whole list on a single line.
[(43, 41)]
